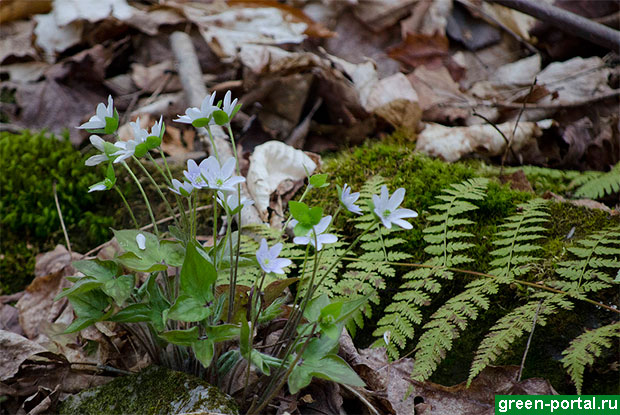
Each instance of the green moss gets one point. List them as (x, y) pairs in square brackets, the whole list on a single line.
[(153, 391)]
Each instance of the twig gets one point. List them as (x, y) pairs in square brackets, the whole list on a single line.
[(150, 225), (529, 340), (514, 130), (511, 105), (492, 124), (62, 222), (567, 22), (359, 396)]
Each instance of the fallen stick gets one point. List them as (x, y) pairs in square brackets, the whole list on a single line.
[(195, 91), (567, 22)]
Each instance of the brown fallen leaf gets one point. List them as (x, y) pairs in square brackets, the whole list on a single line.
[(587, 203), (518, 181), (16, 41), (14, 350), (17, 9), (37, 307)]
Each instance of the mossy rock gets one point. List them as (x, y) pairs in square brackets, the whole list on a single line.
[(155, 390)]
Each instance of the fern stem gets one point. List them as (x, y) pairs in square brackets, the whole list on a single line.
[(482, 274), (529, 340)]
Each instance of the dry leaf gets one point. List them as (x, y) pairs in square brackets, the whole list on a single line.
[(24, 72), (14, 350), (18, 9), (452, 143), (271, 164), (16, 41), (381, 14)]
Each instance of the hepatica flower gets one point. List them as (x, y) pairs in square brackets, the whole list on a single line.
[(231, 202), (220, 177), (139, 133), (181, 188), (199, 117), (348, 199), (321, 237), (100, 144), (194, 174), (268, 258), (127, 149), (386, 208), (105, 119)]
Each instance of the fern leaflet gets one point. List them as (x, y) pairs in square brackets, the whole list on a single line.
[(584, 349), (598, 185)]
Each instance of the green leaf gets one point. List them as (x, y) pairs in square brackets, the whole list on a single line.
[(89, 307), (301, 229), (83, 285), (200, 122), (198, 274), (244, 339), (141, 150), (204, 351), (318, 180), (119, 288), (223, 332), (172, 253), (111, 124), (299, 211), (152, 141), (187, 308), (181, 337), (235, 111), (315, 214), (133, 313), (157, 303), (333, 367), (220, 117), (134, 262), (110, 173)]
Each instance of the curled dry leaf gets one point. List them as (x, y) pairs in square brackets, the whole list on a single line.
[(452, 143), (392, 98), (227, 30), (37, 308), (271, 164), (14, 350), (16, 42)]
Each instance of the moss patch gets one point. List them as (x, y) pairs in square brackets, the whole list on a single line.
[(153, 391)]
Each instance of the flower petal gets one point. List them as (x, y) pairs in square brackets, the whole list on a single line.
[(397, 198)]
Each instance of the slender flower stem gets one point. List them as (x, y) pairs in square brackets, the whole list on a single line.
[(135, 222), (159, 169), (163, 157), (212, 142), (238, 248), (146, 199), (146, 172)]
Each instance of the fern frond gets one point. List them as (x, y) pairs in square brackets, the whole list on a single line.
[(584, 349), (447, 323), (516, 240), (600, 184), (448, 246), (514, 325), (596, 255)]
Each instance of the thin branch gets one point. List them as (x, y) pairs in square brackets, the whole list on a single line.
[(62, 222), (529, 340), (482, 274), (568, 22)]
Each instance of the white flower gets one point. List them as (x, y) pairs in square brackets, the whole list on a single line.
[(321, 238), (194, 174), (127, 149), (139, 133), (141, 241), (348, 199), (98, 187), (179, 188), (99, 144), (156, 128), (98, 121), (206, 109), (227, 106), (386, 208), (220, 177), (231, 202), (268, 258)]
